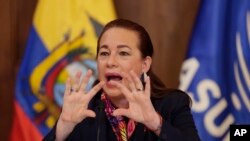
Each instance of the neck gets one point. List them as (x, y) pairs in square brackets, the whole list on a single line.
[(119, 102)]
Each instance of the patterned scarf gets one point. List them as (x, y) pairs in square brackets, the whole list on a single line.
[(122, 131)]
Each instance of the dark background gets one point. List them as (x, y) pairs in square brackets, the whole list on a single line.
[(169, 22)]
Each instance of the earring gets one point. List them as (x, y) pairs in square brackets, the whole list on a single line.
[(142, 78)]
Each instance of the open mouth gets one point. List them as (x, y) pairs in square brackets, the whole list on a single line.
[(113, 77)]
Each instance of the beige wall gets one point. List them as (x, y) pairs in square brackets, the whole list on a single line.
[(169, 22)]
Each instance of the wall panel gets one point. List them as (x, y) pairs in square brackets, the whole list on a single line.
[(169, 23), (15, 21)]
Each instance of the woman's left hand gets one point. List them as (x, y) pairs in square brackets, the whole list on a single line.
[(140, 106)]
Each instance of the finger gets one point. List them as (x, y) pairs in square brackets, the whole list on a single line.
[(130, 81), (137, 81), (67, 87), (76, 80), (85, 80), (90, 113), (95, 89), (147, 86), (121, 112), (123, 89)]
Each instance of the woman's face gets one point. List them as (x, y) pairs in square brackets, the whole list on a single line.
[(118, 52)]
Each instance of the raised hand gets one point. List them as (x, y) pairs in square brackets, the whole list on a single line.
[(140, 106), (75, 104)]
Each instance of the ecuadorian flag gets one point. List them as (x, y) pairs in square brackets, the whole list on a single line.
[(62, 40)]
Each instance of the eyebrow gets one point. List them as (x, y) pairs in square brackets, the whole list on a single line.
[(119, 46)]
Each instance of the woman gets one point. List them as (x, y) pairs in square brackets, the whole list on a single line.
[(127, 102)]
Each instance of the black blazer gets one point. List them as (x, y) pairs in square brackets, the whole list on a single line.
[(174, 107)]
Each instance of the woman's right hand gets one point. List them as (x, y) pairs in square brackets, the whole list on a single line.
[(75, 104)]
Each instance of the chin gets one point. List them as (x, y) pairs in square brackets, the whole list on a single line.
[(113, 92)]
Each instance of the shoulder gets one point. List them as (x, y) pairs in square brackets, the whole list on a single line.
[(173, 95), (172, 100)]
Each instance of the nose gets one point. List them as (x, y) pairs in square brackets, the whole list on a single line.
[(112, 61)]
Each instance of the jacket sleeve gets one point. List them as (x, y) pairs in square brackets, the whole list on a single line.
[(178, 123)]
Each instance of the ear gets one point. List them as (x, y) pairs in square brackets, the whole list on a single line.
[(147, 61)]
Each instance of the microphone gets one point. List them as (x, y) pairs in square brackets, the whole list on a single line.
[(100, 120)]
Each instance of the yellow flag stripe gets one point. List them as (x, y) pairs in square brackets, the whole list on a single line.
[(56, 20)]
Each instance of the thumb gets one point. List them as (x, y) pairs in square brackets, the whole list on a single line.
[(90, 113)]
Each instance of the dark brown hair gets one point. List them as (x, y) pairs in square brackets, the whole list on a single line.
[(158, 88)]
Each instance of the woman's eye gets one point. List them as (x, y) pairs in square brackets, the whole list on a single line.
[(103, 53), (124, 53)]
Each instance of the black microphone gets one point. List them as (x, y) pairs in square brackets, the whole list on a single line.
[(100, 120)]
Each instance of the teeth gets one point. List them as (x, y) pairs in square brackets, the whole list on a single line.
[(114, 78)]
